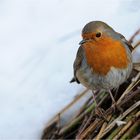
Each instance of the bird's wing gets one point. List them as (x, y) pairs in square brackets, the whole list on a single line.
[(126, 42), (77, 64)]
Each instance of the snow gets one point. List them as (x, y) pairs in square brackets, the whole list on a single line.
[(38, 43)]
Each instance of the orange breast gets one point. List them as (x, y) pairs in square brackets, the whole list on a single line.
[(104, 53)]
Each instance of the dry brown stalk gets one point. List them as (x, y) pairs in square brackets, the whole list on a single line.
[(55, 118), (123, 130), (80, 117), (135, 47), (91, 128), (133, 36), (84, 125), (130, 87), (127, 126), (137, 137), (122, 116), (136, 66), (120, 126), (103, 128)]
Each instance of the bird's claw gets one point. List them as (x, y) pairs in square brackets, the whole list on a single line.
[(100, 113)]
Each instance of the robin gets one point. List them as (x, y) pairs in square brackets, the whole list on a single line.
[(103, 60)]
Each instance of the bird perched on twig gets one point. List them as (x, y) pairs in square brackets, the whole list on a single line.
[(103, 60)]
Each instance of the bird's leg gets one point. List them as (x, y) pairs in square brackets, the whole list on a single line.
[(115, 106), (112, 98), (116, 92), (98, 111), (94, 99)]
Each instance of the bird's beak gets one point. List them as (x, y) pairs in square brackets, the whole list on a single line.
[(82, 42)]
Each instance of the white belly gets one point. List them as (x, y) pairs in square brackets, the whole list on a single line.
[(113, 79)]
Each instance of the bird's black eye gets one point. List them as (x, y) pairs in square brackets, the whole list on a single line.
[(98, 34)]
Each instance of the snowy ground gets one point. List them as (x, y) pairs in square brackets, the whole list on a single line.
[(38, 43)]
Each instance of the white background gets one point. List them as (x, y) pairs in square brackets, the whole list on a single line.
[(38, 44)]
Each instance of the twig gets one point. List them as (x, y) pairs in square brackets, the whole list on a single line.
[(134, 35), (118, 129), (74, 101), (79, 118), (67, 107), (121, 117), (130, 87), (136, 66), (108, 112), (123, 130), (84, 125), (134, 49), (131, 130), (91, 128), (84, 107), (103, 128), (76, 120), (137, 137), (127, 126)]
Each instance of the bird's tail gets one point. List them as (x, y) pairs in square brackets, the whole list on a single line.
[(72, 80)]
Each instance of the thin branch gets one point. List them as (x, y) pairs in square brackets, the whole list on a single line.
[(134, 35), (129, 88), (134, 49), (91, 128), (103, 128), (67, 107), (131, 130), (137, 137), (121, 117)]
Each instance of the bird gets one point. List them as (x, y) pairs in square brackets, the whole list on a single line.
[(103, 60)]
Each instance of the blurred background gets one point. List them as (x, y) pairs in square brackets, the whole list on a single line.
[(38, 44)]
